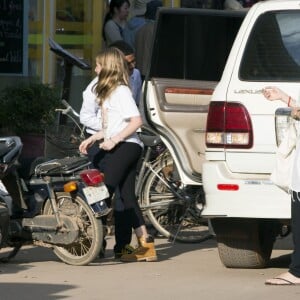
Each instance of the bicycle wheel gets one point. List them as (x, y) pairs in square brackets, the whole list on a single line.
[(173, 216)]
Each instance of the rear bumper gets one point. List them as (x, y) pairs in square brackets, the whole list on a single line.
[(256, 197)]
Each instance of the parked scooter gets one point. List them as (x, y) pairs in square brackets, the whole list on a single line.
[(60, 205)]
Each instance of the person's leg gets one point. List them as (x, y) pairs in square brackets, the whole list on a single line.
[(123, 228), (117, 165), (131, 206), (295, 262), (146, 250), (99, 158), (292, 277), (95, 155)]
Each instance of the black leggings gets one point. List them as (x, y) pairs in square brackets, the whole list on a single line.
[(295, 262), (119, 168)]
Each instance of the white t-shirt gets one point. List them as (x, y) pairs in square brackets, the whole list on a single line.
[(118, 108), (90, 112)]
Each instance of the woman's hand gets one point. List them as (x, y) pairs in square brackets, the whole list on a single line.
[(86, 144), (273, 93), (107, 145), (132, 126), (90, 141)]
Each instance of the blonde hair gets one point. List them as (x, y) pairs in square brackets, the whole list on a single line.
[(114, 72)]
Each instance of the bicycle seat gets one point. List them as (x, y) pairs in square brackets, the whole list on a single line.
[(149, 140)]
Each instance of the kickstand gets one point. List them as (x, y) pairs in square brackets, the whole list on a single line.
[(12, 254)]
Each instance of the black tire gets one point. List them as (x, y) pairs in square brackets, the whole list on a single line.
[(89, 242), (176, 220), (245, 243)]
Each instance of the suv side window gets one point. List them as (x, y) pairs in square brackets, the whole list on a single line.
[(272, 51), (185, 44)]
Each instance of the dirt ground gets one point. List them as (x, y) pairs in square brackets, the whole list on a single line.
[(183, 271)]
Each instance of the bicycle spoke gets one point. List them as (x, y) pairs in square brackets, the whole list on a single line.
[(171, 208)]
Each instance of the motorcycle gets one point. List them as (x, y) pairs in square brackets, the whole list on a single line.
[(61, 205)]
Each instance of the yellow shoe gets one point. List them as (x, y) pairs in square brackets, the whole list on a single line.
[(144, 252)]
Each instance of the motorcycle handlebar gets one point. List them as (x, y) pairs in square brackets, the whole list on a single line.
[(14, 144)]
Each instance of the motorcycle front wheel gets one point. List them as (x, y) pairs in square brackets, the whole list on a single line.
[(89, 242)]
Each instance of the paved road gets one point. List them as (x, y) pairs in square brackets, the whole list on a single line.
[(182, 272)]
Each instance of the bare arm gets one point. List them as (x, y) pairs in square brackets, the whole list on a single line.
[(273, 93), (133, 125)]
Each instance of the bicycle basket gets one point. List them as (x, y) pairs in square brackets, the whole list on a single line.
[(62, 140)]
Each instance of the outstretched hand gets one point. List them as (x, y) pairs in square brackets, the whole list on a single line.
[(273, 93)]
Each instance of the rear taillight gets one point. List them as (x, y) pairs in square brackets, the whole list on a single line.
[(91, 177), (228, 125)]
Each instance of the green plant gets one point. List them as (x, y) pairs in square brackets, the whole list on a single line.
[(28, 107)]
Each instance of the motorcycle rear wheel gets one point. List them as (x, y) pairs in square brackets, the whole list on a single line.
[(89, 242)]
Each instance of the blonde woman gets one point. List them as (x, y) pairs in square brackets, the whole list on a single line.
[(120, 143)]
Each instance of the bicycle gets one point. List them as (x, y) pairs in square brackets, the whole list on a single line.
[(167, 204), (171, 207)]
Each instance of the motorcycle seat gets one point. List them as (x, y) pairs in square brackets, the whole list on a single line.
[(3, 149)]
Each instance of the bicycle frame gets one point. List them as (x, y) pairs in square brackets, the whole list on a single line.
[(66, 112), (148, 166)]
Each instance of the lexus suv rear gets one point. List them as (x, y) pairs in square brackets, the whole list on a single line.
[(246, 209)]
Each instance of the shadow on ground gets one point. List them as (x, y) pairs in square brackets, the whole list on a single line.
[(29, 255), (26, 255), (31, 291)]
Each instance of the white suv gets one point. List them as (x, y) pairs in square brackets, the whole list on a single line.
[(246, 209)]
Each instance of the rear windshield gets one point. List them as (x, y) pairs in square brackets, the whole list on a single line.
[(273, 49), (193, 44)]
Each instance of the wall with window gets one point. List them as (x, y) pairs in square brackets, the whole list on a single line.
[(75, 25)]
